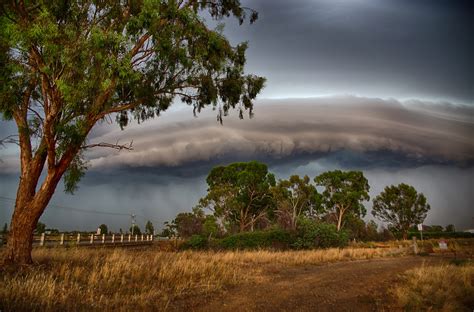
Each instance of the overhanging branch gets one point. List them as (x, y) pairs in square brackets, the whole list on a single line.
[(116, 146)]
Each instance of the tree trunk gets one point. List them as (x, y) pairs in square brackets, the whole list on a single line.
[(405, 234), (20, 238), (28, 210), (339, 219)]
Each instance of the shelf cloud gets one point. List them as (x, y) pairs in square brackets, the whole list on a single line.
[(289, 128)]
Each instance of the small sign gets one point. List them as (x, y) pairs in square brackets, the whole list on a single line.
[(420, 227), (443, 245)]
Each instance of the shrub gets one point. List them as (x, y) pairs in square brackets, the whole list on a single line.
[(195, 242), (433, 235), (273, 238), (311, 234)]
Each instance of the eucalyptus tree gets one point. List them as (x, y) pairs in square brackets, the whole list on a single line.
[(295, 197), (401, 207), (343, 193), (67, 65), (240, 193)]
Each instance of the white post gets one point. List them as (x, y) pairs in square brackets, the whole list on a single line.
[(142, 237), (103, 238), (129, 237), (61, 241), (136, 237), (151, 237), (415, 246), (42, 239), (92, 238), (113, 238), (121, 238), (78, 238)]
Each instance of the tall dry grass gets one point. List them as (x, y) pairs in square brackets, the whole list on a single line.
[(123, 279), (437, 288)]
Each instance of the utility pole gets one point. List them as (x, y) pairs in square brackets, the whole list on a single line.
[(133, 222)]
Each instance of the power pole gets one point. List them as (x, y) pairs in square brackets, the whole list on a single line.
[(133, 222)]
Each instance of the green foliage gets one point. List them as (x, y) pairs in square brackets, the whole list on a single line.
[(295, 197), (103, 229), (239, 193), (40, 228), (344, 192), (169, 230), (149, 228), (436, 228), (371, 231), (435, 235), (135, 229), (450, 228), (210, 226), (195, 242), (272, 238), (65, 65), (188, 224), (311, 234), (401, 207)]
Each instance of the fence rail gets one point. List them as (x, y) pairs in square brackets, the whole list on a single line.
[(52, 240)]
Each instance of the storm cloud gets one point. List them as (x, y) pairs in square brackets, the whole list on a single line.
[(296, 127)]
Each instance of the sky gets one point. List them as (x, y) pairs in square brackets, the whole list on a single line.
[(386, 87)]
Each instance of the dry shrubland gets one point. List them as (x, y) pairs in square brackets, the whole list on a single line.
[(437, 288), (125, 279)]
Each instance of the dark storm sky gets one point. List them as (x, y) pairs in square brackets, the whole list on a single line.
[(384, 48), (386, 87)]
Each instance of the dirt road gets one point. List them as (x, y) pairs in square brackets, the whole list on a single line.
[(343, 286)]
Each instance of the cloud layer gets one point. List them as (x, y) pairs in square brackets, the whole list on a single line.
[(281, 129)]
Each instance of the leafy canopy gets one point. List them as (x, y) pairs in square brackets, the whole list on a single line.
[(343, 193), (239, 192), (295, 197), (400, 206), (65, 65)]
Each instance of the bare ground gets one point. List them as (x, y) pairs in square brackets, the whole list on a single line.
[(344, 286)]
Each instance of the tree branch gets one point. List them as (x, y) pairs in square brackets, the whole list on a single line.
[(116, 146)]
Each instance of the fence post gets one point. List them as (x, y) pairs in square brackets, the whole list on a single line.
[(121, 238), (142, 237), (129, 237), (61, 241), (78, 238), (151, 237), (136, 237), (415, 246), (92, 238), (103, 238), (42, 239), (113, 238)]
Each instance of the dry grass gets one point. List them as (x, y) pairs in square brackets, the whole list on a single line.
[(124, 279), (437, 288)]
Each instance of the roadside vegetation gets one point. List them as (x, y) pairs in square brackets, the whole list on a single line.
[(247, 208), (437, 288)]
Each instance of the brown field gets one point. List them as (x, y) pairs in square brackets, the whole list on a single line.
[(149, 279)]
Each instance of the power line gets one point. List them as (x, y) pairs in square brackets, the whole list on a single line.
[(76, 209)]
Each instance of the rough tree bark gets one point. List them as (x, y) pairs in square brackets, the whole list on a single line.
[(29, 207)]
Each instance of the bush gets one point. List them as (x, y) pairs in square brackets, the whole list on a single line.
[(195, 242), (312, 234), (274, 238), (434, 235)]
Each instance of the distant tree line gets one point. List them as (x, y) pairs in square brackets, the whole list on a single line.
[(244, 197)]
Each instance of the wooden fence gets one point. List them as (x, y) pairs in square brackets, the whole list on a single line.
[(63, 239)]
